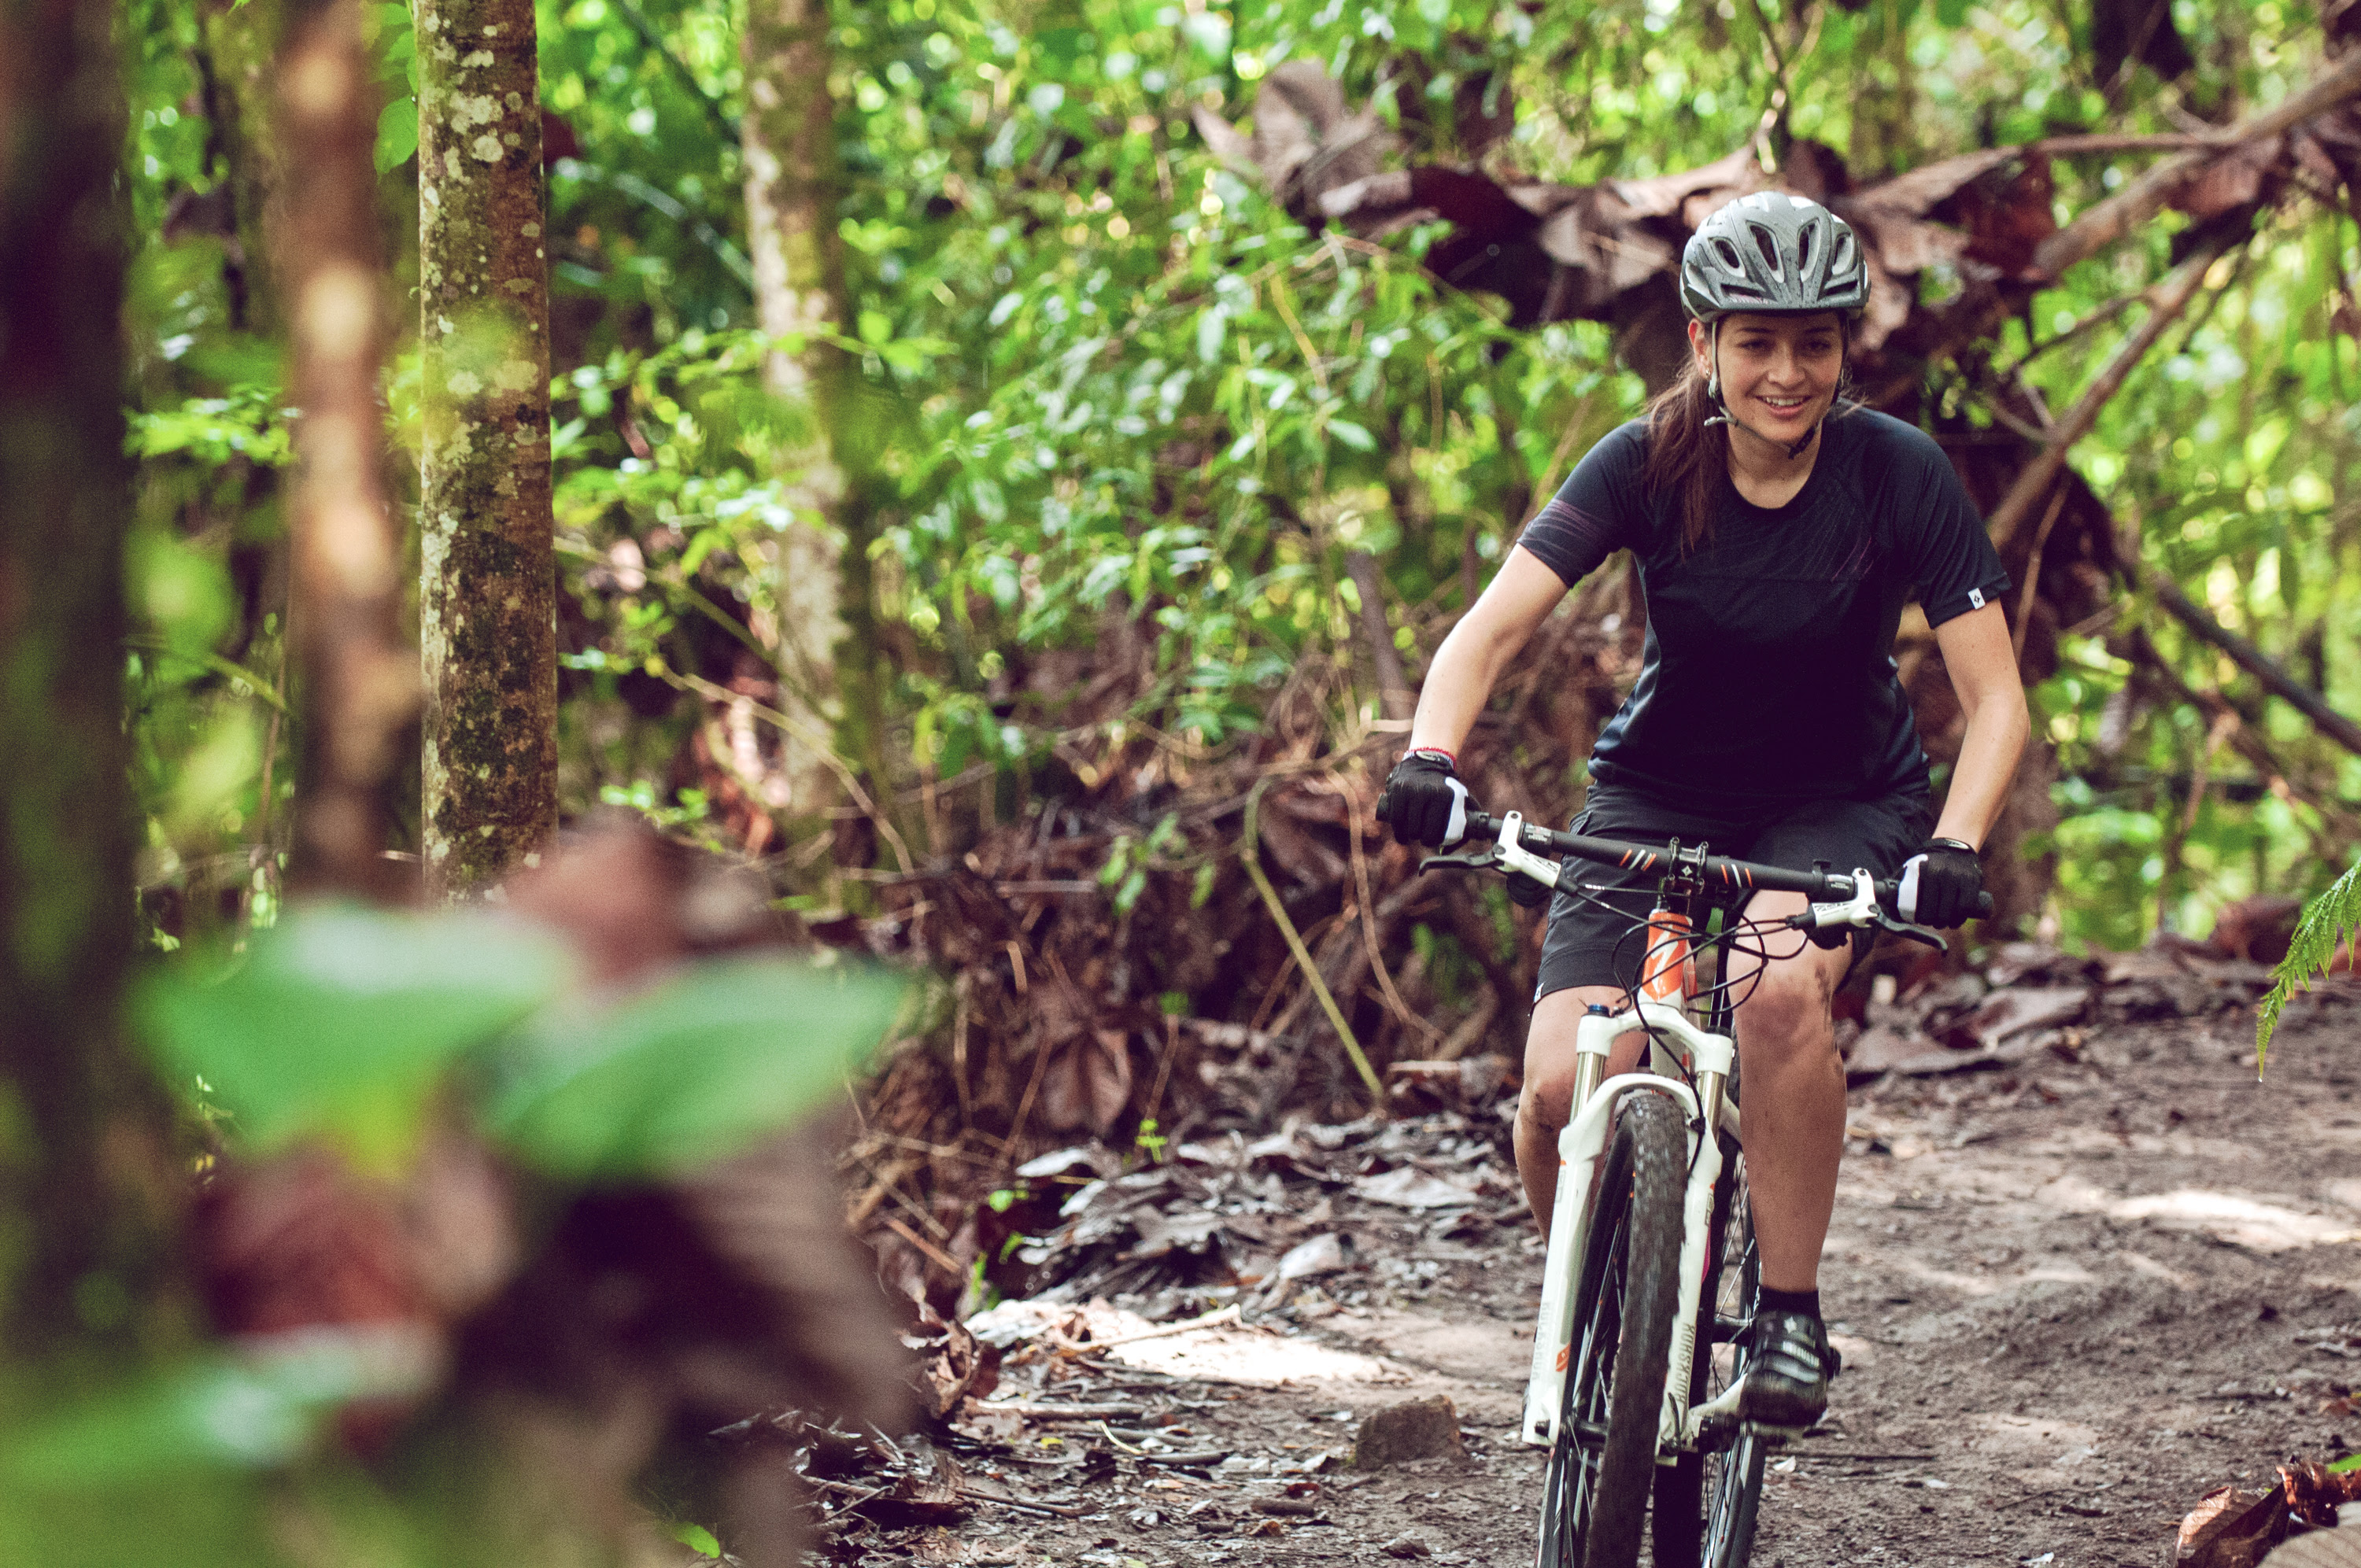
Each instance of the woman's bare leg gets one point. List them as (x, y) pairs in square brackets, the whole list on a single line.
[(1547, 1103), (1793, 1090)]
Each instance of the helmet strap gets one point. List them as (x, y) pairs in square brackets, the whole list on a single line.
[(1713, 376)]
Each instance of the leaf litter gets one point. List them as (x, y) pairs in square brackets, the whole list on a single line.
[(1166, 1321)]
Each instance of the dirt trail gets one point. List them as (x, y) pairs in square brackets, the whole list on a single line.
[(2086, 1290)]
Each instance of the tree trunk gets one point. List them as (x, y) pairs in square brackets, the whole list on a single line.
[(791, 198), (78, 1247), (239, 37), (488, 628), (360, 679)]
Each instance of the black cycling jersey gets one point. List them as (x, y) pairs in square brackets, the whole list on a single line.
[(1769, 674)]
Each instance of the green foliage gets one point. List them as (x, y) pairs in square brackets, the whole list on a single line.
[(689, 1071), (696, 1538), (342, 1024), (1106, 381), (214, 1414), (1110, 398), (395, 49), (348, 1026), (2327, 923), (345, 1026)]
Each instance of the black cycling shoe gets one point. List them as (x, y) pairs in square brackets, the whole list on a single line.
[(1787, 1374)]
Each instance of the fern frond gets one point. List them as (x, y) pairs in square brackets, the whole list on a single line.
[(2325, 924)]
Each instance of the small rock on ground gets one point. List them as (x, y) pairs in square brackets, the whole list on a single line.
[(1417, 1429)]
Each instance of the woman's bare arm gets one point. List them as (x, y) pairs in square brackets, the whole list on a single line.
[(1459, 681), (1976, 652)]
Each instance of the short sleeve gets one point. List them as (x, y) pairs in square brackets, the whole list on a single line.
[(1950, 557), (1596, 512)]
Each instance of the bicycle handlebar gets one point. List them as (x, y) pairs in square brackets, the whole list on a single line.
[(1819, 887)]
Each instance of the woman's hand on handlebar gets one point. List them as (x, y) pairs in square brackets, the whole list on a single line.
[(1941, 885), (1423, 801)]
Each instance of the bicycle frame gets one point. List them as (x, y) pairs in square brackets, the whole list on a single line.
[(1710, 1058)]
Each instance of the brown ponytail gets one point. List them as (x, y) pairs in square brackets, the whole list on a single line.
[(1686, 460)]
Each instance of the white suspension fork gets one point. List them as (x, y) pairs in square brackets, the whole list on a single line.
[(1581, 1143)]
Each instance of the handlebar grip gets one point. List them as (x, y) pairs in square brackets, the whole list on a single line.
[(1888, 892)]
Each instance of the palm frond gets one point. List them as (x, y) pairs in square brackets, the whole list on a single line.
[(2325, 924)]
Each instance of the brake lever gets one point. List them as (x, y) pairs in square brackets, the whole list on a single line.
[(1863, 909), (1511, 852), (1902, 928), (1506, 854)]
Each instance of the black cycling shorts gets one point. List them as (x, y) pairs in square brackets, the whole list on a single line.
[(1591, 939)]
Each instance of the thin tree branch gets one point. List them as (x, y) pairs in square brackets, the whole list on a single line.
[(2110, 219), (2245, 655), (789, 725), (1372, 940), (1470, 923), (260, 689), (2096, 319), (2171, 141), (2343, 826), (1393, 691), (2033, 570), (2166, 301), (1249, 854)]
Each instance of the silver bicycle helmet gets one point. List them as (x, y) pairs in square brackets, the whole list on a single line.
[(1772, 254)]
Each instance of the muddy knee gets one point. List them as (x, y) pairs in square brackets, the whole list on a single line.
[(1788, 1016)]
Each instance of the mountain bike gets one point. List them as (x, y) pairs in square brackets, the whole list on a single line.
[(1648, 1292)]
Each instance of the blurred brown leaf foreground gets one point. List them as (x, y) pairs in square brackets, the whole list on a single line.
[(590, 1327)]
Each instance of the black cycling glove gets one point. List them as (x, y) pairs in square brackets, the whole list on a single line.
[(1423, 801), (1940, 884)]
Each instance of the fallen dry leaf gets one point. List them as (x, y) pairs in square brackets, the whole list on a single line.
[(2231, 1527)]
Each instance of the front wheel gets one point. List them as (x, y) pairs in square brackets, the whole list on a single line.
[(1595, 1496), (1706, 1504)]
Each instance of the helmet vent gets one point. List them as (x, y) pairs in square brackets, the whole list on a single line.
[(1774, 253)]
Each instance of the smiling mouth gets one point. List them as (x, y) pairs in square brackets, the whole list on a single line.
[(1784, 407)]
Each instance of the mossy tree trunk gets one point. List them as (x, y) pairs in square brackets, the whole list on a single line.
[(75, 1109), (359, 675), (239, 39), (791, 201), (488, 631)]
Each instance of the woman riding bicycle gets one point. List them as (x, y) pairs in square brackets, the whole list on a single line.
[(1777, 535)]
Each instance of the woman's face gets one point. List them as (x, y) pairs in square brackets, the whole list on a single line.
[(1779, 374)]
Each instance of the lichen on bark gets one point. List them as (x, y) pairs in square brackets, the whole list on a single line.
[(487, 596)]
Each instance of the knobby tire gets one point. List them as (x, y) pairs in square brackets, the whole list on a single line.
[(1594, 1494), (1705, 1506)]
